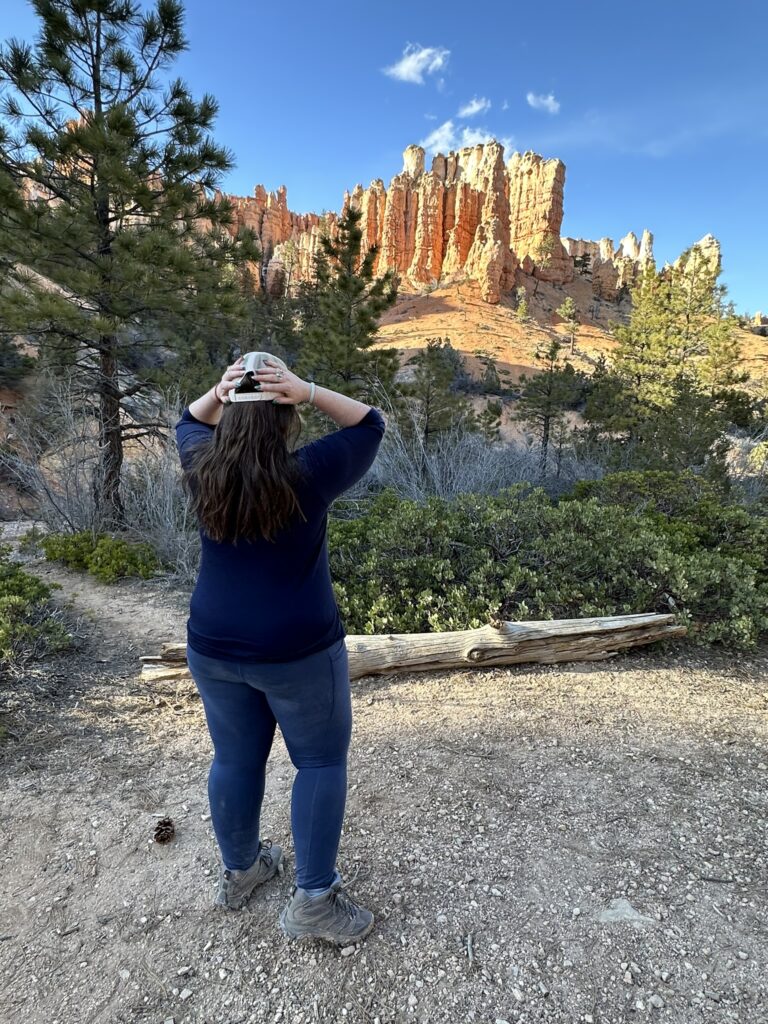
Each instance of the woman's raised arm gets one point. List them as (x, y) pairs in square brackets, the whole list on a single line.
[(291, 390), (207, 408)]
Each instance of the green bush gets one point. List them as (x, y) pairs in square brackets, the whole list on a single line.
[(105, 557), (408, 567), (31, 541), (73, 549), (27, 626), (661, 491), (114, 557), (691, 512)]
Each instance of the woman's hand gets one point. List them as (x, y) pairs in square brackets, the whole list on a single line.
[(288, 388), (230, 377)]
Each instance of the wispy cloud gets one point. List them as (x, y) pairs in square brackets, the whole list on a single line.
[(446, 137), (418, 61), (689, 126), (505, 105), (685, 137), (538, 102), (477, 105), (431, 117), (471, 136), (441, 139)]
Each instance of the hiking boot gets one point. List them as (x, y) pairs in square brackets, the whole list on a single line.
[(332, 916), (236, 886)]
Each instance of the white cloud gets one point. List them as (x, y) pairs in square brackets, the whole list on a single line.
[(475, 106), (431, 117), (505, 105), (471, 136), (548, 103), (441, 140), (446, 137), (418, 61)]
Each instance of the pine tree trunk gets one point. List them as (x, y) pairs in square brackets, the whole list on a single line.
[(106, 495), (109, 506), (544, 446)]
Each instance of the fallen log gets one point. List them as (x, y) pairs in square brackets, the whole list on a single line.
[(545, 641)]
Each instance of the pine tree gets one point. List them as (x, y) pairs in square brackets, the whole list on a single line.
[(341, 317), (14, 364), (488, 422), (583, 264), (490, 382), (106, 175), (272, 325), (673, 388), (567, 311), (545, 250), (542, 256), (462, 380), (546, 396), (273, 317), (306, 301), (644, 355), (561, 436), (719, 372), (610, 404), (431, 397)]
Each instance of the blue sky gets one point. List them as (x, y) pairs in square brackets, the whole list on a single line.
[(657, 109)]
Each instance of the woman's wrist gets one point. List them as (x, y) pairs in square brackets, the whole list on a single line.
[(208, 407)]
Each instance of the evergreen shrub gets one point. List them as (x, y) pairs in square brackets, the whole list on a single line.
[(105, 557), (27, 625), (446, 565)]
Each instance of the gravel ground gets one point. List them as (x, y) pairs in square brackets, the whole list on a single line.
[(571, 843)]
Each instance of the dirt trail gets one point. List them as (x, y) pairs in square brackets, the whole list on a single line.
[(494, 819)]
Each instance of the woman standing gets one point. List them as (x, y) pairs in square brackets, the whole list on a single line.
[(265, 643)]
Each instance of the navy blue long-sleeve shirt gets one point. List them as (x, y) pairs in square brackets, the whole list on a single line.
[(273, 600)]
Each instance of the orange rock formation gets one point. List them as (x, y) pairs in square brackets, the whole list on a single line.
[(472, 216)]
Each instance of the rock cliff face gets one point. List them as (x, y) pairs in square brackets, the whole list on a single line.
[(612, 270), (267, 214), (471, 215), (704, 253)]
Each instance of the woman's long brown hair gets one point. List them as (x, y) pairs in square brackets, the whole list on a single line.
[(243, 483)]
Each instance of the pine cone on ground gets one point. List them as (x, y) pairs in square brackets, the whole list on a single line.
[(165, 830)]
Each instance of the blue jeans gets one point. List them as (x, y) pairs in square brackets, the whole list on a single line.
[(310, 700)]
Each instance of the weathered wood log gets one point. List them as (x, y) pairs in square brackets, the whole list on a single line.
[(501, 643)]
